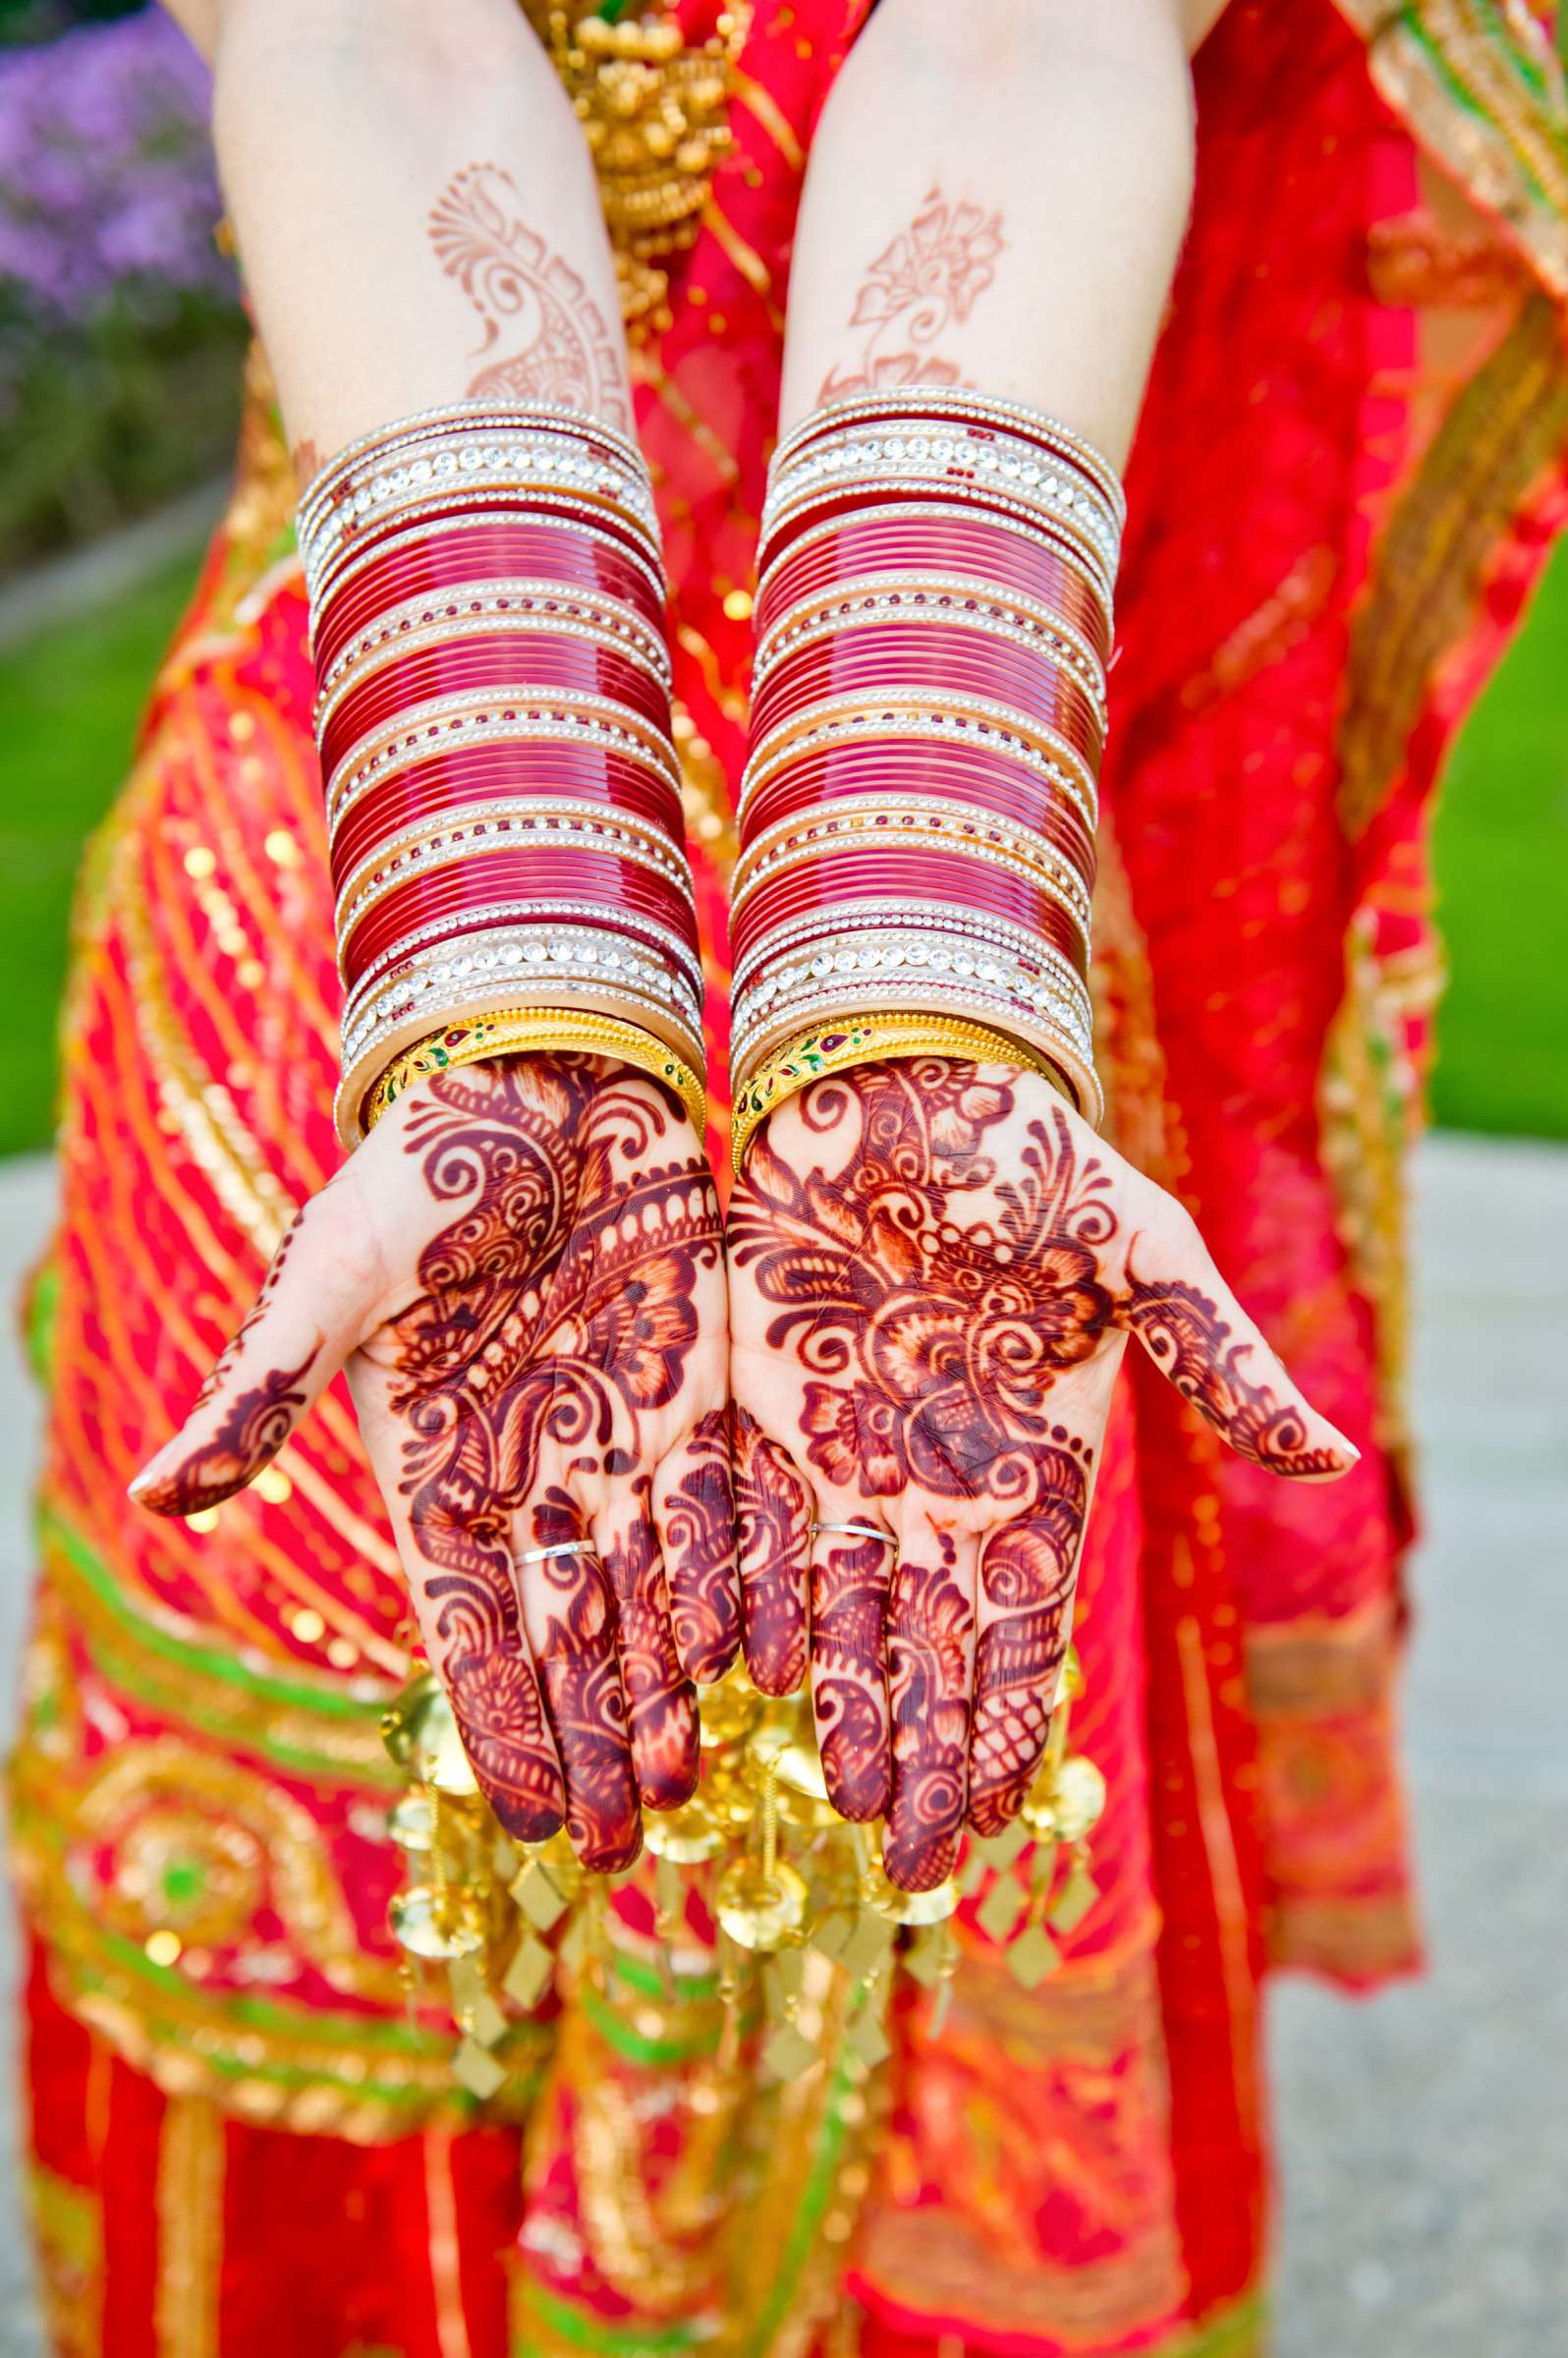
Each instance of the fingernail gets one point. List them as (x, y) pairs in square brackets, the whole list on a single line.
[(159, 1463)]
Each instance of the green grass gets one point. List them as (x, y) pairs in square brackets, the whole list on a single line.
[(1502, 851), (69, 699)]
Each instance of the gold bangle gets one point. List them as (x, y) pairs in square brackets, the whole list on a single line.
[(873, 1039), (514, 1031)]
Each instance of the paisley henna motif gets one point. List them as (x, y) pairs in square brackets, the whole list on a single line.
[(699, 1554), (773, 1519), (556, 346)]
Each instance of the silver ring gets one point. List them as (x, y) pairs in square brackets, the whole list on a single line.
[(536, 1555), (858, 1530)]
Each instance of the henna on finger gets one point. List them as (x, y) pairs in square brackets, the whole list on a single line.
[(850, 1583), (249, 1433), (1190, 1339), (697, 1519), (1027, 1577), (571, 1622), (774, 1521), (931, 1635), (660, 1699)]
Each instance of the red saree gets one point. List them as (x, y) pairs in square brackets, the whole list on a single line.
[(1350, 467)]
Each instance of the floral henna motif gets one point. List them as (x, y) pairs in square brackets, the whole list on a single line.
[(1184, 1335), (773, 1518), (925, 280), (557, 1309), (253, 1430), (941, 1339), (562, 350), (660, 1699), (1026, 1580), (931, 1629), (699, 1554), (849, 1690)]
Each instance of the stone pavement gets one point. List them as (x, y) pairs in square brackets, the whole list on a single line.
[(1424, 2132)]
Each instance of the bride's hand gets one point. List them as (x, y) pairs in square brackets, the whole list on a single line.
[(522, 1270), (934, 1269)]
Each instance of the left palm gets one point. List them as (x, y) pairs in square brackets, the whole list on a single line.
[(934, 1269)]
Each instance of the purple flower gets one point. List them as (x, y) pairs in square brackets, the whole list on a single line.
[(107, 186)]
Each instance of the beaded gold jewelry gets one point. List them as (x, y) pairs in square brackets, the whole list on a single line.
[(518, 1032)]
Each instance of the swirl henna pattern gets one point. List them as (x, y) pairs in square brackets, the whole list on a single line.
[(931, 1292), (558, 1310), (522, 1270)]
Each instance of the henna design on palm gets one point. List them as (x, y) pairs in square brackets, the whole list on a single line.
[(522, 1270), (932, 1286)]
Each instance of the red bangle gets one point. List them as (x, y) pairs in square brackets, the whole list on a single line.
[(615, 786), (954, 878), (895, 770), (840, 508), (519, 550), (520, 666), (478, 880), (940, 548), (445, 508), (878, 662)]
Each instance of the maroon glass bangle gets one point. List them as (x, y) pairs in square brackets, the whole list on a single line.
[(841, 506), (477, 879), (524, 549), (954, 877), (1048, 924), (864, 773), (893, 766), (873, 662), (429, 516), (520, 666), (617, 788), (531, 549), (996, 558)]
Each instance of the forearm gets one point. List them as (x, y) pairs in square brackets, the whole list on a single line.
[(996, 198), (416, 211)]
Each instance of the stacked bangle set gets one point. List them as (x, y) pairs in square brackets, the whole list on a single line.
[(918, 810), (502, 788)]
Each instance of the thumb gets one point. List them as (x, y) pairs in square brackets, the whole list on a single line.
[(301, 1329), (1197, 1332)]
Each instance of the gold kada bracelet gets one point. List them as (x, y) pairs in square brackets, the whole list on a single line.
[(515, 1031), (871, 1039)]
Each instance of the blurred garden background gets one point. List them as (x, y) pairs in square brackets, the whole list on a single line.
[(119, 337)]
